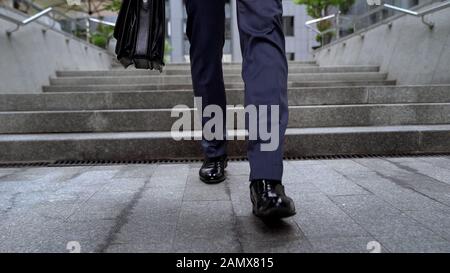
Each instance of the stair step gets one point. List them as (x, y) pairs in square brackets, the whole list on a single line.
[(178, 79), (52, 101), (290, 63), (342, 83), (161, 120), (187, 71), (225, 66), (178, 87), (155, 145)]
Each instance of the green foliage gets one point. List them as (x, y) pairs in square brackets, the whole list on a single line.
[(114, 5), (99, 40), (167, 50), (319, 8), (102, 35)]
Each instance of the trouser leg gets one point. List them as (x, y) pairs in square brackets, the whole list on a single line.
[(265, 73), (206, 33)]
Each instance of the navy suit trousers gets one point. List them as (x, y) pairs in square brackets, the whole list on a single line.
[(264, 70)]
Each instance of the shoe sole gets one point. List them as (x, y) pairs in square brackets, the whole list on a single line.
[(215, 181), (273, 213)]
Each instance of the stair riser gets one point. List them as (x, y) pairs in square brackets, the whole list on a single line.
[(187, 79), (414, 142), (178, 87), (164, 99), (341, 83), (300, 117), (226, 71)]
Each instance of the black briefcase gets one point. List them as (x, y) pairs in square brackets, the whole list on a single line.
[(140, 34)]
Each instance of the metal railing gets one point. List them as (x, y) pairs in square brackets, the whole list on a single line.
[(98, 21), (422, 13), (26, 21), (345, 25), (309, 23), (55, 16)]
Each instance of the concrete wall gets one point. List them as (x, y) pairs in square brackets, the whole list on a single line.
[(408, 51), (30, 56)]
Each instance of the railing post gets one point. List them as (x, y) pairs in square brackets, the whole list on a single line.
[(88, 30), (338, 22)]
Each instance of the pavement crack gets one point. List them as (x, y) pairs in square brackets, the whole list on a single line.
[(235, 220), (122, 219)]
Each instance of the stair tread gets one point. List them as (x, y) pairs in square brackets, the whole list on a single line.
[(366, 105), (167, 134), (229, 75)]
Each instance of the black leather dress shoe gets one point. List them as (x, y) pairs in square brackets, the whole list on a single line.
[(269, 200), (213, 170)]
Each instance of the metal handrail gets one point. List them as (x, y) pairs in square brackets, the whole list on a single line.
[(336, 16), (308, 24), (46, 12), (26, 21), (315, 21), (420, 13), (95, 20)]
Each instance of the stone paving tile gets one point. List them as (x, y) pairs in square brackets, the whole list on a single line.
[(171, 170), (51, 236), (341, 206), (206, 226), (256, 235), (423, 168), (251, 228), (293, 177), (319, 217), (388, 225), (328, 180), (415, 244), (196, 190), (438, 161), (151, 225), (238, 168), (408, 178), (402, 198), (30, 174), (108, 202), (238, 187), (136, 171), (290, 246), (357, 244), (8, 171), (436, 219), (170, 175), (139, 247), (41, 179)]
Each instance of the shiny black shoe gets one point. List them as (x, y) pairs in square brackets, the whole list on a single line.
[(213, 170), (269, 200)]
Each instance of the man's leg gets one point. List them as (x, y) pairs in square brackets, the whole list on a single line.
[(265, 73), (206, 33)]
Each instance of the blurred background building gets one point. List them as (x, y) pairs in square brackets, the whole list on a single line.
[(294, 17), (297, 38)]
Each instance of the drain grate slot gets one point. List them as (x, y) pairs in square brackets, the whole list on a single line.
[(67, 163), (24, 164)]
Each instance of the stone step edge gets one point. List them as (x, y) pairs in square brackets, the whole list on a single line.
[(167, 134)]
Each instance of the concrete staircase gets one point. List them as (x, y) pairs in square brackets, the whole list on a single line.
[(124, 115)]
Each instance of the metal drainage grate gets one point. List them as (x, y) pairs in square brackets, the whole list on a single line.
[(24, 164), (336, 157), (66, 163)]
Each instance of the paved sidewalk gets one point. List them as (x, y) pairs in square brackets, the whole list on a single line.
[(401, 203)]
